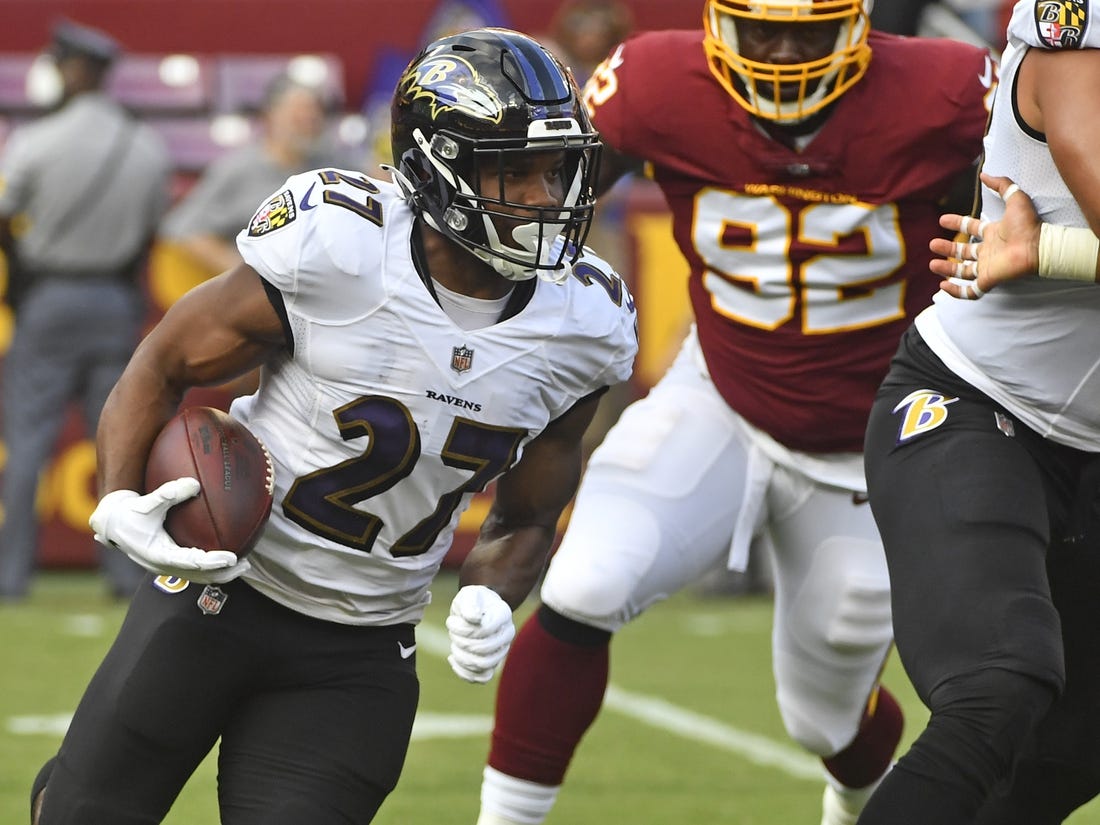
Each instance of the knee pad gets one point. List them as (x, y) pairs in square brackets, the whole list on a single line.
[(833, 640), (594, 574), (843, 605)]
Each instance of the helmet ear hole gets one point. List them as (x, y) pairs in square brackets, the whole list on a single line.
[(415, 166)]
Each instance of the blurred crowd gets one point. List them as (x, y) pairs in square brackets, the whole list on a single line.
[(302, 118)]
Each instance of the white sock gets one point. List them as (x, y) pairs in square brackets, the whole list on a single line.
[(506, 800), (841, 805)]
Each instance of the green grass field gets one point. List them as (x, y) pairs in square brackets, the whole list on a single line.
[(689, 732)]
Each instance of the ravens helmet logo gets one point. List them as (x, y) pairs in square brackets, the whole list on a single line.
[(452, 84)]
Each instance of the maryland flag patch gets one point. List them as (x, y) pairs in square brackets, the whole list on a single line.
[(275, 214), (1061, 24)]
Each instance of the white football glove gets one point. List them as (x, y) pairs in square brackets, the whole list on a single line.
[(481, 629), (134, 524)]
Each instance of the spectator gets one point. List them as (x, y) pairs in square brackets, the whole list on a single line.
[(84, 189), (206, 221), (583, 32)]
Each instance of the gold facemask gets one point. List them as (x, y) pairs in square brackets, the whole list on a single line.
[(756, 86)]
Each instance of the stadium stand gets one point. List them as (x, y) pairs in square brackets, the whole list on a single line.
[(202, 105), (242, 79), (15, 69), (194, 141), (161, 84)]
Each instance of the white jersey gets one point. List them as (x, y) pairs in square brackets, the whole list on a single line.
[(387, 417), (1032, 345)]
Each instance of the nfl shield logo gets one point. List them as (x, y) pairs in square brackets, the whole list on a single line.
[(462, 358), (212, 600)]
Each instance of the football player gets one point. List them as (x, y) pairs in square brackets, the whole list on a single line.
[(418, 339), (805, 160), (983, 463)]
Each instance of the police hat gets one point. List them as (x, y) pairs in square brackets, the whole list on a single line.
[(75, 40)]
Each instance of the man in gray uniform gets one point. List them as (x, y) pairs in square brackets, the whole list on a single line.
[(82, 191)]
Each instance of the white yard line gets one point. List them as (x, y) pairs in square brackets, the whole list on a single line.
[(428, 725), (663, 715)]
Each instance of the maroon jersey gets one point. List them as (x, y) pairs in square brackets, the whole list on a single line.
[(807, 266)]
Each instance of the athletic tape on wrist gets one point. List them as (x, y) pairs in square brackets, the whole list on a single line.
[(1068, 253)]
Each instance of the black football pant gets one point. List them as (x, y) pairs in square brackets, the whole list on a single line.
[(314, 717), (995, 574)]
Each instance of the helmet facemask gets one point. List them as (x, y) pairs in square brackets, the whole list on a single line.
[(477, 220), (758, 87)]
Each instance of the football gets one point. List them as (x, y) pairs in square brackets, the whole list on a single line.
[(235, 473)]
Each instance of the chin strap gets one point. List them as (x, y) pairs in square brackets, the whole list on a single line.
[(527, 237)]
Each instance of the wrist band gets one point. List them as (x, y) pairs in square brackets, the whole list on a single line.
[(1068, 253)]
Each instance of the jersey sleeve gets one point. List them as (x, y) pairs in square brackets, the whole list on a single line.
[(616, 103), (309, 241), (603, 339), (1071, 24), (918, 157), (622, 334), (273, 241)]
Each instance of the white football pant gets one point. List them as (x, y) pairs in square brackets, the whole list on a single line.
[(682, 484)]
